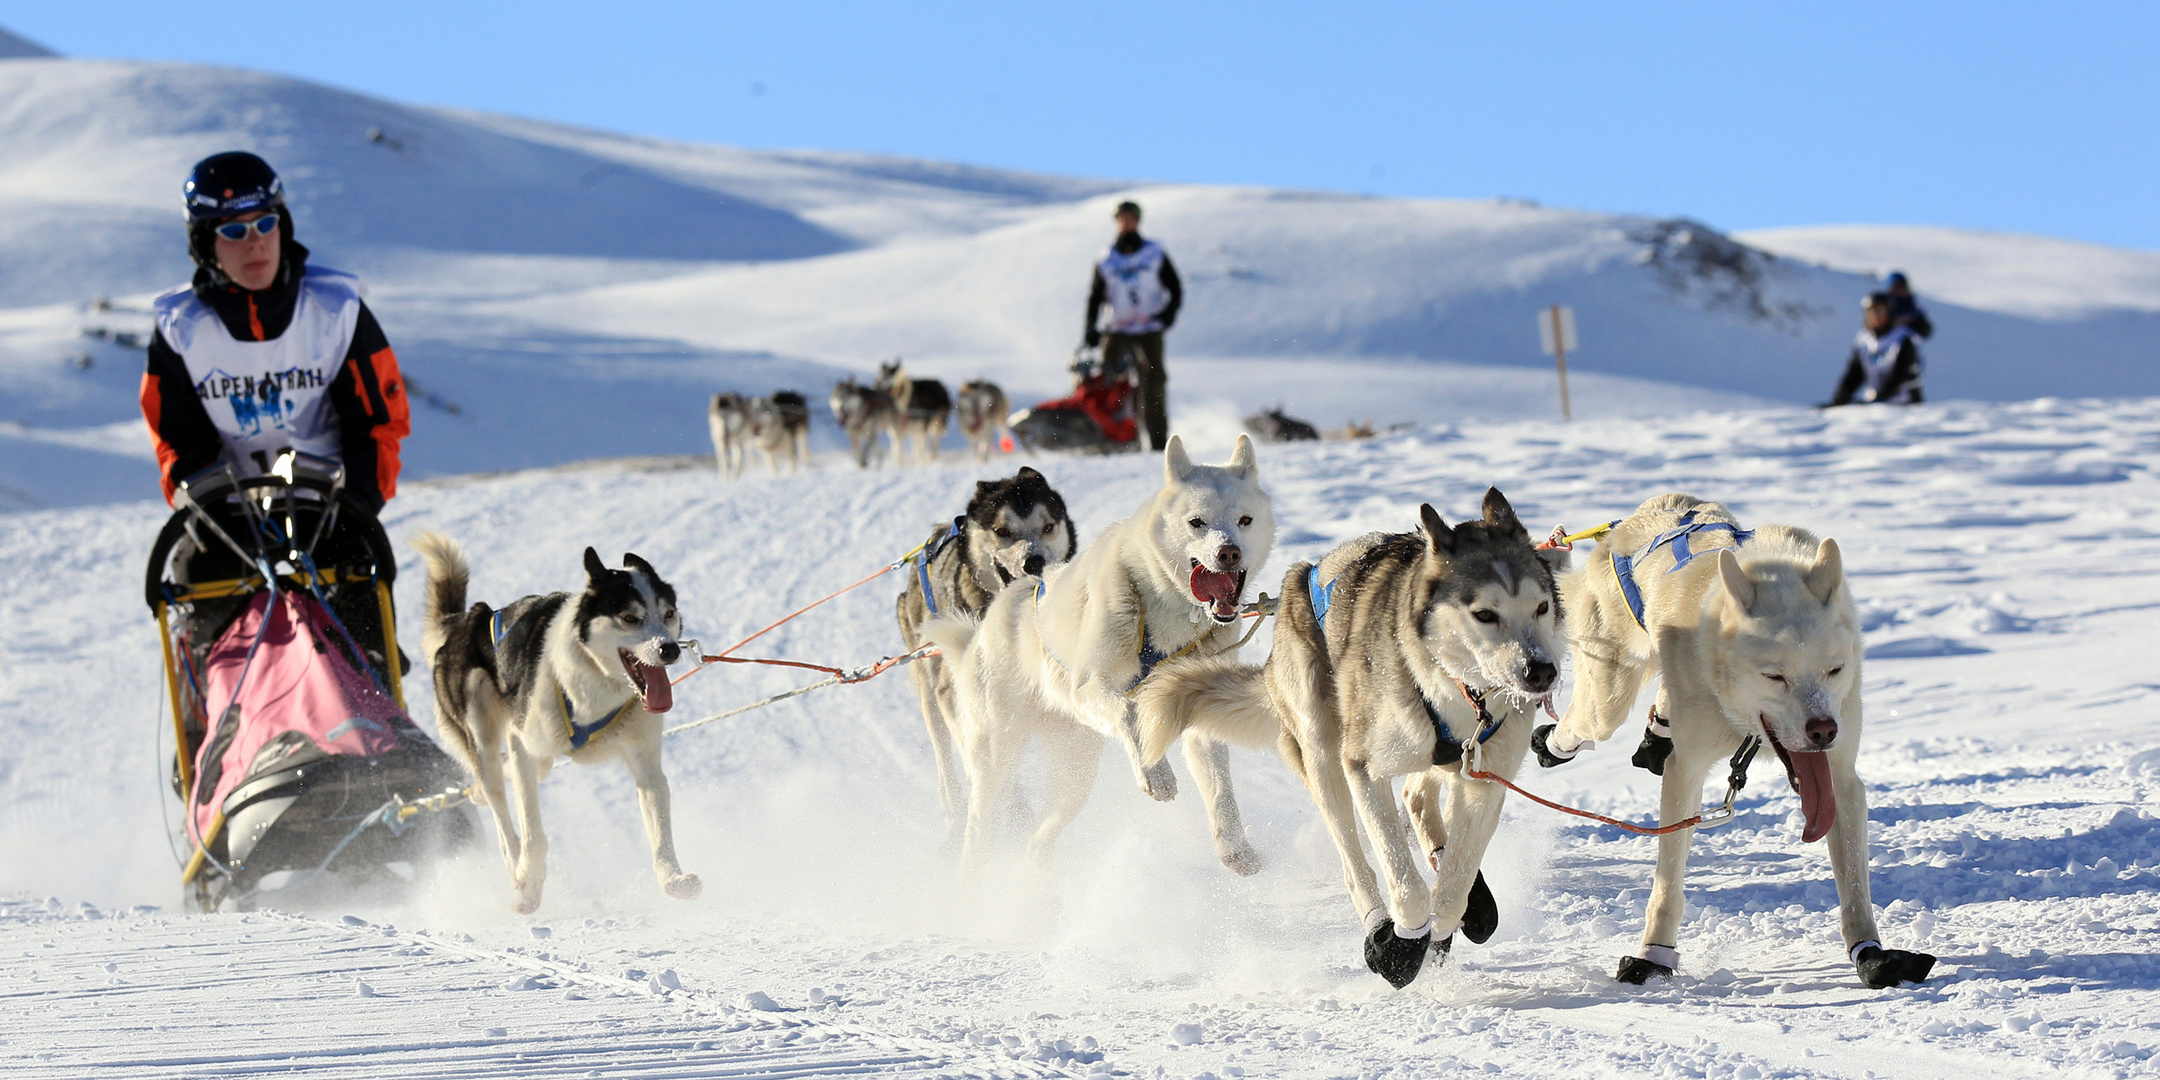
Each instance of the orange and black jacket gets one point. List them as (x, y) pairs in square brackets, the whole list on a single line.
[(367, 394)]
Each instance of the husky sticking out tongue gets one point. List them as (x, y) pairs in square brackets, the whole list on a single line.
[(1809, 772), (1219, 591), (654, 690)]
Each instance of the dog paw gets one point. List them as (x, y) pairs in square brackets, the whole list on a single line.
[(683, 887), (1482, 916), (1244, 861), (1882, 968), (528, 903), (1541, 741), (1394, 957), (1159, 782), (1635, 971)]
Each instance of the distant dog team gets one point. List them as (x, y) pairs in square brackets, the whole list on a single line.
[(909, 414)]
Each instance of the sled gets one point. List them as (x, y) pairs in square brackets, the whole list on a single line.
[(1097, 417), (295, 761)]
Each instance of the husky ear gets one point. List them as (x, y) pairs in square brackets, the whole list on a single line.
[(1736, 579), (1442, 537), (1242, 461), (1177, 464), (1499, 512), (641, 566), (594, 568), (1028, 473), (1828, 573)]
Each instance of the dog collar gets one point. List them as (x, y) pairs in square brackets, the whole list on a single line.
[(1447, 749)]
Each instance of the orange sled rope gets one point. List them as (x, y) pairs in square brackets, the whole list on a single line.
[(1724, 813)]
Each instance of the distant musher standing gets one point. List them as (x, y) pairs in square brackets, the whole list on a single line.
[(1885, 363), (1136, 279)]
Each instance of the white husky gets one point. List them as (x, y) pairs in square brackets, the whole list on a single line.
[(1755, 637), (1057, 658)]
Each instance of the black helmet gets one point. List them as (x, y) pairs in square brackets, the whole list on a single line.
[(231, 183), (228, 185)]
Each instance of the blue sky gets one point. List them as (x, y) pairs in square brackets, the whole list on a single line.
[(1992, 116)]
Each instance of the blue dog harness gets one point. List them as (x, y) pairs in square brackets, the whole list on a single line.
[(580, 734), (929, 555), (1677, 536), (1447, 749), (1149, 654)]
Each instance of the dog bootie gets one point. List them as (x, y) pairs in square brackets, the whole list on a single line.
[(1394, 957), (1441, 946), (1656, 746), (1541, 741), (1482, 916), (1882, 968), (1637, 970)]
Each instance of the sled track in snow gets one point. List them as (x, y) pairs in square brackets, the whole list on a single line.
[(129, 994)]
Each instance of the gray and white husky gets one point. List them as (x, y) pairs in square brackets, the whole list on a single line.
[(582, 674), (1014, 528), (982, 409), (1395, 656), (924, 405), (1753, 634), (729, 418), (864, 413), (1057, 659), (780, 428)]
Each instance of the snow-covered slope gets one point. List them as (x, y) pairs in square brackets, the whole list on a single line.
[(558, 294), (2038, 276), (2004, 557)]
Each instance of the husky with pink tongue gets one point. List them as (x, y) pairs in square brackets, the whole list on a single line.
[(1057, 658), (580, 674), (1754, 637)]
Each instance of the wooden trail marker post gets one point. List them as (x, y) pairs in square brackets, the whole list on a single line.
[(1556, 333)]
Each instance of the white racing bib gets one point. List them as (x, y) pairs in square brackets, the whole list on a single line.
[(264, 396), (1133, 284)]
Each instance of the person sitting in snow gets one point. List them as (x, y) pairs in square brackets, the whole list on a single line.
[(1885, 363), (1904, 310), (262, 351), (1136, 279)]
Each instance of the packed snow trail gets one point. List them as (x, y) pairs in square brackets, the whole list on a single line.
[(276, 994), (2006, 560)]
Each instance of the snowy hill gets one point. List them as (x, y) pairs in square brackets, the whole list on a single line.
[(2003, 557), (559, 294), (2038, 276)]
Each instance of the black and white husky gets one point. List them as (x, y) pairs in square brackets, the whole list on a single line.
[(863, 412), (582, 674), (1014, 528)]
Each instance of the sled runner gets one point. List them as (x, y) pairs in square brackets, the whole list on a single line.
[(294, 757), (1097, 417)]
